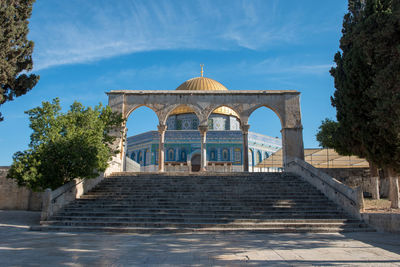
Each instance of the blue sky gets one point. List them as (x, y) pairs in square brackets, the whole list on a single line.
[(86, 48)]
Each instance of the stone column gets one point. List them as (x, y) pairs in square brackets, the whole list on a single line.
[(245, 132), (292, 144), (117, 104), (203, 136), (125, 146), (161, 131)]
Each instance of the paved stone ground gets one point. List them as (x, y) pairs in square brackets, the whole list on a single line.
[(21, 247)]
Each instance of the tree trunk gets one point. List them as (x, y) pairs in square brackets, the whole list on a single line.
[(394, 195), (374, 181)]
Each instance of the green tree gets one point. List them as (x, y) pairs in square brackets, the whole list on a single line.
[(65, 146), (367, 76), (15, 50), (328, 137)]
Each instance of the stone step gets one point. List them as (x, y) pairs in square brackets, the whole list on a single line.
[(245, 186), (198, 185), (203, 219), (87, 202), (134, 196), (257, 206), (211, 189), (202, 178), (148, 230), (208, 193), (172, 182), (218, 182), (164, 224), (204, 201), (219, 210), (206, 213), (200, 175), (268, 197)]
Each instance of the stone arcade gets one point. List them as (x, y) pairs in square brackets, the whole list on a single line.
[(204, 98)]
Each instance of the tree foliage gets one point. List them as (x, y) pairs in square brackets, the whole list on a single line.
[(15, 50), (328, 137), (367, 82), (65, 146)]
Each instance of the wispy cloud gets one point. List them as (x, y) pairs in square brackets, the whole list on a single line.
[(79, 32), (285, 65), (282, 71)]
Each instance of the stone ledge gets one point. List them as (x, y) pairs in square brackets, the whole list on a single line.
[(383, 222), (198, 92)]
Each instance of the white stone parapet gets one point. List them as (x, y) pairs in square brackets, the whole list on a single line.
[(351, 200)]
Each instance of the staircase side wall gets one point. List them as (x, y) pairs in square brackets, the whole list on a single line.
[(54, 201), (350, 200), (131, 165)]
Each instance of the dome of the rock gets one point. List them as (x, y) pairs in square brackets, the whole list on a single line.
[(202, 84)]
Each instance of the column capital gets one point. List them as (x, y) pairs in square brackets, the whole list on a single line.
[(203, 129), (245, 128), (161, 128)]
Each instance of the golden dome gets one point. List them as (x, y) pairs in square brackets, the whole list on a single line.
[(206, 84), (200, 84)]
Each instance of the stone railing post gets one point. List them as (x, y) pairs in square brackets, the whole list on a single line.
[(360, 198), (203, 136), (161, 131), (47, 206), (245, 132)]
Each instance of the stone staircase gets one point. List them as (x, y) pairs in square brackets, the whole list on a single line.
[(255, 202)]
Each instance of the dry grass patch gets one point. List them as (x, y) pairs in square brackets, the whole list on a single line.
[(378, 206)]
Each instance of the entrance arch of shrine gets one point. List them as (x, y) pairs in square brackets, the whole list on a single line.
[(285, 103)]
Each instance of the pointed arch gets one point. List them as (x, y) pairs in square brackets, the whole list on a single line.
[(256, 107), (135, 107), (212, 108), (171, 109)]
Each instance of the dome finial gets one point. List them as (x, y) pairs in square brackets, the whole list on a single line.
[(202, 71)]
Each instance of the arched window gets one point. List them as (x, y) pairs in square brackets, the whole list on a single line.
[(266, 155), (139, 157), (259, 158), (171, 154), (251, 157), (133, 156), (238, 155), (213, 154), (183, 154), (225, 154)]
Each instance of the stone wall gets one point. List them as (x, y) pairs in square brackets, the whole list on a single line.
[(17, 198), (355, 177), (383, 222)]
